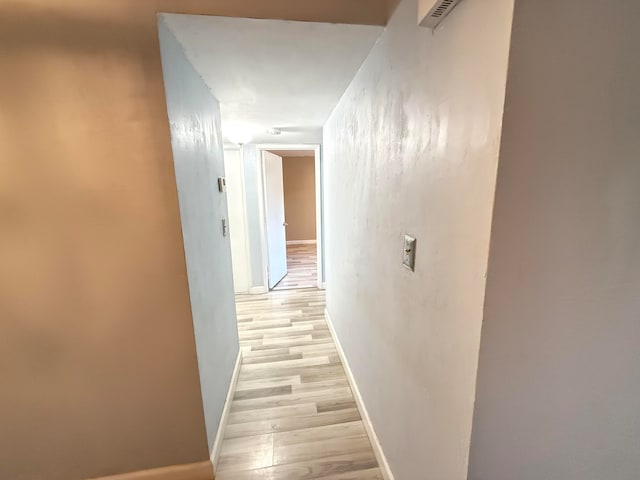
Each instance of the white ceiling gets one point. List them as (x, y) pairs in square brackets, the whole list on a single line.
[(274, 73), (294, 153)]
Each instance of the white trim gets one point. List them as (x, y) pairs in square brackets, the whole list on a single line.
[(323, 286), (302, 242), (287, 146), (263, 221), (245, 231), (319, 214), (258, 290), (387, 474), (217, 444), (188, 471), (319, 202), (242, 232)]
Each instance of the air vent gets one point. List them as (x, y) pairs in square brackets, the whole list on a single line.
[(433, 12)]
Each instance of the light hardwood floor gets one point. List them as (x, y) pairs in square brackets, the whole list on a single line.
[(302, 268), (293, 415)]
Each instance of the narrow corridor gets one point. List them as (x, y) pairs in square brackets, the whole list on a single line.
[(302, 268), (293, 415)]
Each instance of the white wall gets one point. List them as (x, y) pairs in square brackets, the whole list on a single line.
[(252, 163), (413, 147), (194, 118), (237, 219), (558, 392)]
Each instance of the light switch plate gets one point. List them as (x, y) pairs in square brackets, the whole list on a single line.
[(409, 252)]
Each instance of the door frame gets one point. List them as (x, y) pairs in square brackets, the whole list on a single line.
[(243, 231), (281, 233), (319, 206)]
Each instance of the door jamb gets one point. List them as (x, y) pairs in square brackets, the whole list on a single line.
[(244, 232), (319, 206)]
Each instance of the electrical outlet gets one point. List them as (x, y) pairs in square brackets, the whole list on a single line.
[(409, 252)]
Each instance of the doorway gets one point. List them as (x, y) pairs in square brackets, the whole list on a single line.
[(290, 188), (296, 241), (275, 214)]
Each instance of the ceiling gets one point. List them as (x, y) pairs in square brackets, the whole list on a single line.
[(294, 153), (274, 73)]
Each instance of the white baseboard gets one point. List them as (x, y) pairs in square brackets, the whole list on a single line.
[(387, 474), (217, 444), (190, 471), (258, 290), (302, 242)]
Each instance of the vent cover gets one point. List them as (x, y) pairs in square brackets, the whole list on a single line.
[(437, 12)]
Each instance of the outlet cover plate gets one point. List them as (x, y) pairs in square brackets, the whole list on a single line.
[(409, 252)]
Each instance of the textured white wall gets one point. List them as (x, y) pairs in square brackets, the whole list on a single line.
[(252, 163), (412, 147), (559, 375), (234, 172), (196, 141)]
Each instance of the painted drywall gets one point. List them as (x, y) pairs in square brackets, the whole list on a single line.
[(293, 153), (558, 389), (255, 248), (234, 176), (412, 148), (196, 140), (242, 60), (299, 178), (424, 7), (252, 163), (98, 363), (97, 355)]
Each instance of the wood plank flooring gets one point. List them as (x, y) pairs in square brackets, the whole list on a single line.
[(293, 415), (302, 268)]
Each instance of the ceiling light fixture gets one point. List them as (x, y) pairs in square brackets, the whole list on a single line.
[(239, 133)]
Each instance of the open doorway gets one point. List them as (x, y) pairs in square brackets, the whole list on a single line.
[(290, 194), (293, 246), (275, 216)]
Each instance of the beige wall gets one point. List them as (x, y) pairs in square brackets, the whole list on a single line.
[(558, 380), (97, 359), (300, 197)]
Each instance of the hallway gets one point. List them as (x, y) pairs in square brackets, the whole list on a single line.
[(302, 268), (293, 414)]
